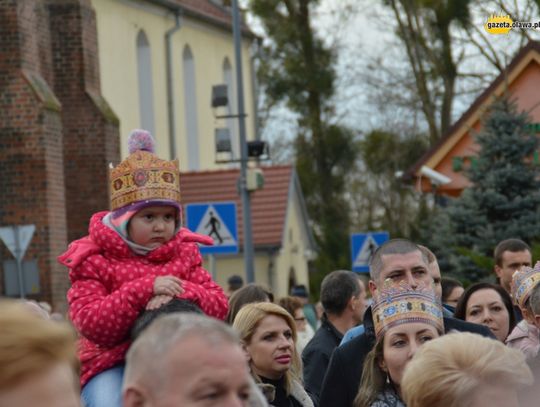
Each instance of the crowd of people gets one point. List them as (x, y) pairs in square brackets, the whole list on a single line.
[(149, 327)]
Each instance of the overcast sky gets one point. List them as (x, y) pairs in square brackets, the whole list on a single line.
[(355, 35), (361, 37)]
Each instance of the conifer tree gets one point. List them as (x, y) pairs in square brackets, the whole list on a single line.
[(503, 201)]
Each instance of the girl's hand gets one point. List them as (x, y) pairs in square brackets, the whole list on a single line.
[(168, 285), (157, 301)]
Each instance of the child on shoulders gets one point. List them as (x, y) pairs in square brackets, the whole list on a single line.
[(136, 257)]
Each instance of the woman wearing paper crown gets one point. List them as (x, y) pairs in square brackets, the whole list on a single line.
[(525, 336), (405, 318), (136, 257)]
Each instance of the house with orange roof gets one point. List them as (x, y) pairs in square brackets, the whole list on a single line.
[(441, 169), (282, 239)]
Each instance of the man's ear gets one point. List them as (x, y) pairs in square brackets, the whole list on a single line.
[(134, 397), (372, 287), (351, 303), (498, 270)]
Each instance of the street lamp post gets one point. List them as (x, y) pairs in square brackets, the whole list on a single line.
[(244, 193)]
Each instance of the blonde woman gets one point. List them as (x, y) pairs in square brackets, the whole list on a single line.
[(405, 319), (38, 363), (268, 335), (465, 370)]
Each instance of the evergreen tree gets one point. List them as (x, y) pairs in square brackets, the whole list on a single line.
[(503, 201), (296, 67)]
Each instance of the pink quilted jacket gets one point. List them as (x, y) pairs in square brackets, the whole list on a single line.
[(526, 338), (111, 285)]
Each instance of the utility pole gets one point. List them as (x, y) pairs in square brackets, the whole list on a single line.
[(244, 193)]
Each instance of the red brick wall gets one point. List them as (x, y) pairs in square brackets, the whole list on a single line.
[(91, 139), (57, 134), (31, 159)]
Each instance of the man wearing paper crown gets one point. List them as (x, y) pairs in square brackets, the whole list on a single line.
[(136, 257), (525, 336), (405, 318)]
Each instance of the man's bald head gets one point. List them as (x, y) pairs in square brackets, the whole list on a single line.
[(181, 356)]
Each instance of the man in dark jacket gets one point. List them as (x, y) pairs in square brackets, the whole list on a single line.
[(343, 297), (398, 259)]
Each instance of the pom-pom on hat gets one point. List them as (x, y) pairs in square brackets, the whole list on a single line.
[(399, 303), (142, 180), (141, 140), (523, 282)]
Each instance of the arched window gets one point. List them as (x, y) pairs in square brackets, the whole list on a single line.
[(190, 109), (146, 88), (232, 123)]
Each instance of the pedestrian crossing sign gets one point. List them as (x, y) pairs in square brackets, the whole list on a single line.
[(363, 245), (217, 220)]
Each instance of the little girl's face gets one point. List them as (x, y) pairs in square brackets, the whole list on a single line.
[(153, 226)]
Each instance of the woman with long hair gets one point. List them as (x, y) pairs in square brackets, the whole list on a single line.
[(268, 335), (405, 318)]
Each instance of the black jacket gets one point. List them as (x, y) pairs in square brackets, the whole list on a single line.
[(316, 357), (344, 373)]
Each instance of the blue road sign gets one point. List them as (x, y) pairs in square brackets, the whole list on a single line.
[(363, 245), (217, 220)]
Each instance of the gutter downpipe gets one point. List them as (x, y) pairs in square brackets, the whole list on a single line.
[(170, 90)]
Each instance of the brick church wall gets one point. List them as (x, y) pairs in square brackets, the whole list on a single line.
[(57, 133), (91, 139)]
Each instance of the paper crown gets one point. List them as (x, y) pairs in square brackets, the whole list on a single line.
[(143, 176), (523, 282), (399, 303)]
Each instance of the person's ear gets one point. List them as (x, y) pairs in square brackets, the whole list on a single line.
[(134, 397), (498, 270), (382, 365), (527, 315), (245, 350), (351, 304), (372, 287), (536, 320)]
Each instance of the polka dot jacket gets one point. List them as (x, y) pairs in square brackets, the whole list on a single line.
[(111, 285)]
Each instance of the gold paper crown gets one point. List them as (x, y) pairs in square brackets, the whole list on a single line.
[(144, 176), (523, 282), (399, 303)]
